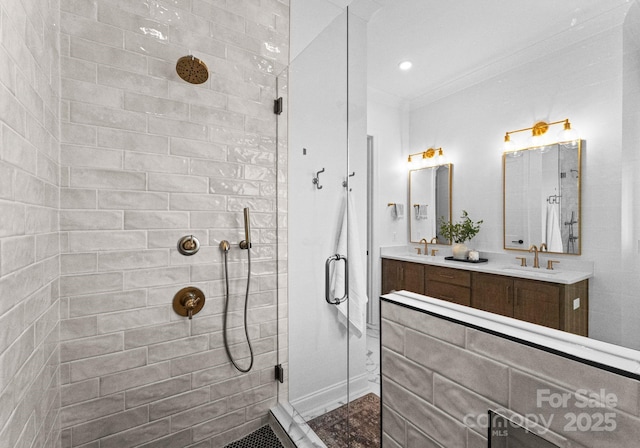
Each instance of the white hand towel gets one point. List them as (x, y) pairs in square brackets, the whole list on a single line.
[(397, 211), (354, 309), (422, 212), (553, 237)]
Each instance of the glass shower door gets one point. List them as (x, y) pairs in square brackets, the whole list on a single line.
[(326, 226)]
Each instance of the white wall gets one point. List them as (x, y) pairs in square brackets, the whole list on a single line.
[(386, 124), (582, 82)]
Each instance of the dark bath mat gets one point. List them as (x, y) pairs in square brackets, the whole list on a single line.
[(261, 438), (364, 424)]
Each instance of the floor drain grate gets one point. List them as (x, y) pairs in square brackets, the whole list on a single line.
[(261, 438)]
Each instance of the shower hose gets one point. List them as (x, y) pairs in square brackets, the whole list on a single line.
[(226, 309)]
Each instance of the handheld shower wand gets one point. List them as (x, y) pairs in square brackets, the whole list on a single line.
[(246, 243), (225, 247)]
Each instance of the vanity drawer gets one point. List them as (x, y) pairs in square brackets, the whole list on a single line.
[(451, 293), (448, 275)]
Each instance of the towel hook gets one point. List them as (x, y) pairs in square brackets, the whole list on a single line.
[(345, 183), (316, 180)]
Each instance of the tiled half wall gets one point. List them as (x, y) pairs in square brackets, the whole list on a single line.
[(440, 378)]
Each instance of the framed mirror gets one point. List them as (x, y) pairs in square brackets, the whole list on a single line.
[(541, 197), (429, 201)]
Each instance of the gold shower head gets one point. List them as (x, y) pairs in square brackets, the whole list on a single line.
[(192, 69)]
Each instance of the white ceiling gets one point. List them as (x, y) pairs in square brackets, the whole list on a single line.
[(450, 41)]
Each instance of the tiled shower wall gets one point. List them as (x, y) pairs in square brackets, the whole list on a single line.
[(147, 158), (29, 249)]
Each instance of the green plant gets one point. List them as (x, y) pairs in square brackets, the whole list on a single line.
[(461, 231)]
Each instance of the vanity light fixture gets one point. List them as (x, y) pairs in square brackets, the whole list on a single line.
[(538, 130), (426, 155)]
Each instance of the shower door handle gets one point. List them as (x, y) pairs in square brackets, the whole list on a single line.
[(327, 280)]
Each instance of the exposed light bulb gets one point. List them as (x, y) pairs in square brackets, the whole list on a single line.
[(568, 133), (405, 65)]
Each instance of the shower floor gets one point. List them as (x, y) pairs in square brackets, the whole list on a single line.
[(263, 437)]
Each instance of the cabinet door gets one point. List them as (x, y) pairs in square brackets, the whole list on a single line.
[(391, 275), (397, 275), (414, 277), (537, 302), (493, 293)]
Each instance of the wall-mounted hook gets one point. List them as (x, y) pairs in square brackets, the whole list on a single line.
[(345, 183), (316, 180)]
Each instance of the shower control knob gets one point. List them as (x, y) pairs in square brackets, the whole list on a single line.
[(188, 245), (188, 301)]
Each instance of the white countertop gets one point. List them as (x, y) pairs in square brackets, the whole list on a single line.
[(567, 271), (579, 346)]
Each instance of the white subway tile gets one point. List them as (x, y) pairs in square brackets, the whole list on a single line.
[(155, 220), (82, 284), (17, 151), (174, 128), (47, 169), (189, 202), (102, 116), (140, 376), (154, 48), (90, 220), (91, 30), (235, 87), (156, 163), (105, 240), (92, 346), (144, 278), (77, 198), (82, 8), (219, 117), (90, 92), (178, 348), (108, 179), (90, 304), (29, 98), (77, 134), (28, 189), (196, 94), (108, 323), (139, 337), (7, 174), (194, 148), (78, 263), (217, 169), (119, 260), (134, 82), (106, 364), (40, 220), (104, 54), (235, 187), (177, 183), (132, 141), (72, 68), (133, 200), (47, 245), (176, 110), (117, 17), (16, 252), (215, 12), (186, 38), (87, 157)]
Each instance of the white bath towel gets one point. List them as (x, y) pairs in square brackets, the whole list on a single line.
[(553, 235), (397, 211), (353, 309)]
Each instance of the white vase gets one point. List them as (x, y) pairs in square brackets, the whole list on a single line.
[(460, 251)]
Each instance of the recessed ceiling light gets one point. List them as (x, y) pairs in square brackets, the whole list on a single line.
[(405, 65)]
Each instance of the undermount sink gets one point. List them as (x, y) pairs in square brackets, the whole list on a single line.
[(540, 272)]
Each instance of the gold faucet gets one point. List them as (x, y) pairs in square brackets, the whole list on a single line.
[(543, 247), (434, 240), (536, 262)]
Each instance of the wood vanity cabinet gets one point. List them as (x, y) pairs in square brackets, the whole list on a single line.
[(538, 302), (398, 275)]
